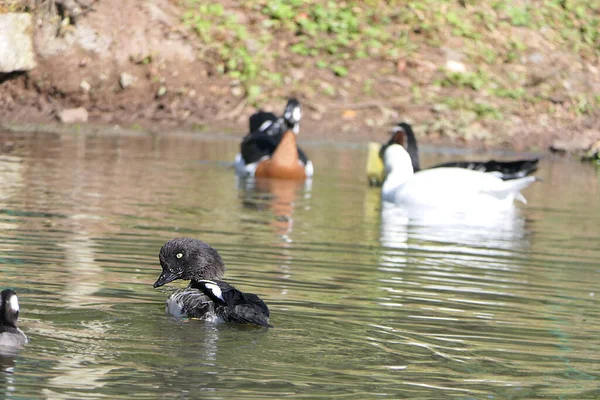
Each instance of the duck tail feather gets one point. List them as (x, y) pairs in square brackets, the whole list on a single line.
[(516, 185), (519, 197), (513, 187)]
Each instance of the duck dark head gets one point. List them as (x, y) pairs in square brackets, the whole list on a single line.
[(189, 259), (9, 308), (292, 115), (403, 135)]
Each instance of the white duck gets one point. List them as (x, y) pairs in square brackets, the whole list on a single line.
[(455, 189)]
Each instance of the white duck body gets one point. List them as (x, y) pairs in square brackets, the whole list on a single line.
[(449, 188)]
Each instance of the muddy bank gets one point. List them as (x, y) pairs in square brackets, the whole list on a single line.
[(148, 67)]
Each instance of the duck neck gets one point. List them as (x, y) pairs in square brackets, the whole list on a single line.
[(394, 179), (8, 320), (413, 150)]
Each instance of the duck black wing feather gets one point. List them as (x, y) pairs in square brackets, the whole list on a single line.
[(242, 307), (257, 145), (249, 314), (257, 120), (263, 138), (507, 169), (302, 156)]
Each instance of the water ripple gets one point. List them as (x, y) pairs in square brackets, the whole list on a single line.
[(366, 300)]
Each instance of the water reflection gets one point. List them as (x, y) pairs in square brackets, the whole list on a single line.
[(367, 300), (277, 196), (497, 229), (11, 181), (75, 370), (7, 370), (447, 273)]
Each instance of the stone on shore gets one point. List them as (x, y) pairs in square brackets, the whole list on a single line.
[(16, 44), (73, 115), (126, 80)]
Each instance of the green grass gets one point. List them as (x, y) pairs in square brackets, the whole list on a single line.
[(257, 42), (481, 109), (473, 80), (8, 6)]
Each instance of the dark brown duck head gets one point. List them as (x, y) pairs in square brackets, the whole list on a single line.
[(189, 259)]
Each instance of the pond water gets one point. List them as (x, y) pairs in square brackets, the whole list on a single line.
[(365, 301)]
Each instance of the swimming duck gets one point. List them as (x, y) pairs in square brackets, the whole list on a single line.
[(270, 149), (445, 187), (231, 305), (10, 335), (403, 135), (207, 296)]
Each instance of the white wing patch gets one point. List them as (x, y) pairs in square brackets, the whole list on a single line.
[(14, 304), (297, 114), (215, 289), (265, 125)]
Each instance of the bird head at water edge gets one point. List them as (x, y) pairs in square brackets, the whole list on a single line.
[(188, 259), (9, 304), (11, 337), (397, 162), (402, 134), (292, 115), (398, 169)]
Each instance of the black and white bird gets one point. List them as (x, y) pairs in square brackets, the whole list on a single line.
[(446, 188), (10, 335), (207, 297), (270, 148), (231, 305), (403, 135)]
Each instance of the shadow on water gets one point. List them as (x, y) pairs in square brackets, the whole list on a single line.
[(366, 300)]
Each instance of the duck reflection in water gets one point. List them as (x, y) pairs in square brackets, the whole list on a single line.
[(276, 195), (501, 230)]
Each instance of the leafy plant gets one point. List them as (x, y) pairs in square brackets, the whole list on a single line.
[(339, 70), (225, 40), (473, 80), (519, 16)]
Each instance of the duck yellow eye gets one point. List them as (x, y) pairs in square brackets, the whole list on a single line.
[(179, 255)]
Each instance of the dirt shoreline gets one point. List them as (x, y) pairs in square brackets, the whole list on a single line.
[(142, 69)]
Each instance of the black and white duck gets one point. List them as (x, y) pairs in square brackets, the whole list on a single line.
[(403, 135), (207, 296), (10, 335), (446, 188), (270, 149)]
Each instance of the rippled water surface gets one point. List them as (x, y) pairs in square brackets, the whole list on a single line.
[(366, 302)]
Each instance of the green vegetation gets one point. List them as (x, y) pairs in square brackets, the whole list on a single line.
[(258, 41), (226, 42), (481, 110), (474, 80), (332, 33), (7, 6)]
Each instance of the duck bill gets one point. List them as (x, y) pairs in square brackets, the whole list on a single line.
[(165, 278)]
